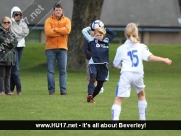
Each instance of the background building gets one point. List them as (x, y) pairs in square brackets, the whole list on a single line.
[(159, 21)]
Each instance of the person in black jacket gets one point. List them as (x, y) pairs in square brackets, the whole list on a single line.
[(7, 55), (88, 56)]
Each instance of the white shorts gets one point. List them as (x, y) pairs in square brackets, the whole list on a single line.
[(128, 80)]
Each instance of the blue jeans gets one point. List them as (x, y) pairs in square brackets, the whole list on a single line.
[(15, 73), (59, 55)]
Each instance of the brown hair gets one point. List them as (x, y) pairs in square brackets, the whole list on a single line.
[(57, 5), (131, 32)]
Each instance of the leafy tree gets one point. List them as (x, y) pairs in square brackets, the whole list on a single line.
[(84, 12)]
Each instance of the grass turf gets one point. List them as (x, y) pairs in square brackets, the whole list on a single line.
[(162, 92)]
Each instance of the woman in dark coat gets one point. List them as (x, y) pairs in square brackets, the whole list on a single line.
[(7, 55)]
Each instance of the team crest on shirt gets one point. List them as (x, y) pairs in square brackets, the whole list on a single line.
[(106, 40), (97, 45), (96, 41)]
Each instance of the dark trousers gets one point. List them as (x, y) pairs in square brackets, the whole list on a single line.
[(5, 74), (99, 73)]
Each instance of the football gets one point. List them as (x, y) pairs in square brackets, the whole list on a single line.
[(97, 24)]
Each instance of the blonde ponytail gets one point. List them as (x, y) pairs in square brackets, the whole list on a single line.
[(131, 32)]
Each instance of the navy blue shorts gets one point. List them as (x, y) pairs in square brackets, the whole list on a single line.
[(100, 70)]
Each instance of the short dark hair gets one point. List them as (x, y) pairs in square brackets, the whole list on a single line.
[(57, 5)]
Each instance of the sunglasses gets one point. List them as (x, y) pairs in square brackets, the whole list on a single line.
[(18, 15), (6, 22)]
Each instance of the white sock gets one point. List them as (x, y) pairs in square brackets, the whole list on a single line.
[(142, 105), (116, 111)]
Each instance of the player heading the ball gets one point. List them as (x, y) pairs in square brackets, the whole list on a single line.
[(99, 46)]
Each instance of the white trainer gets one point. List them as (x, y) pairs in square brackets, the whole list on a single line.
[(102, 90)]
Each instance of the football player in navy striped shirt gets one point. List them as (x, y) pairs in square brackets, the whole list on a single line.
[(88, 57), (98, 69)]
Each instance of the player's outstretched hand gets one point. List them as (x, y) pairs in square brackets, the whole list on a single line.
[(168, 61)]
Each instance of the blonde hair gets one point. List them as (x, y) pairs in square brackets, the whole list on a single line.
[(7, 19), (100, 30), (131, 32)]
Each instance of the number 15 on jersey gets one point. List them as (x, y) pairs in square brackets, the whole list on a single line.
[(134, 58)]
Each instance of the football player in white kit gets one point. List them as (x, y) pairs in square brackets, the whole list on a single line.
[(128, 59)]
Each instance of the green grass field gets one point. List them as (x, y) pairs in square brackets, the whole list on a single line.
[(163, 94)]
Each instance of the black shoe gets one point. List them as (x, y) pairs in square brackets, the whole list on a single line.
[(63, 93)]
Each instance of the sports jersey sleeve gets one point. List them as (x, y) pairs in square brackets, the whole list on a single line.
[(86, 34), (146, 53), (117, 60), (111, 33)]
